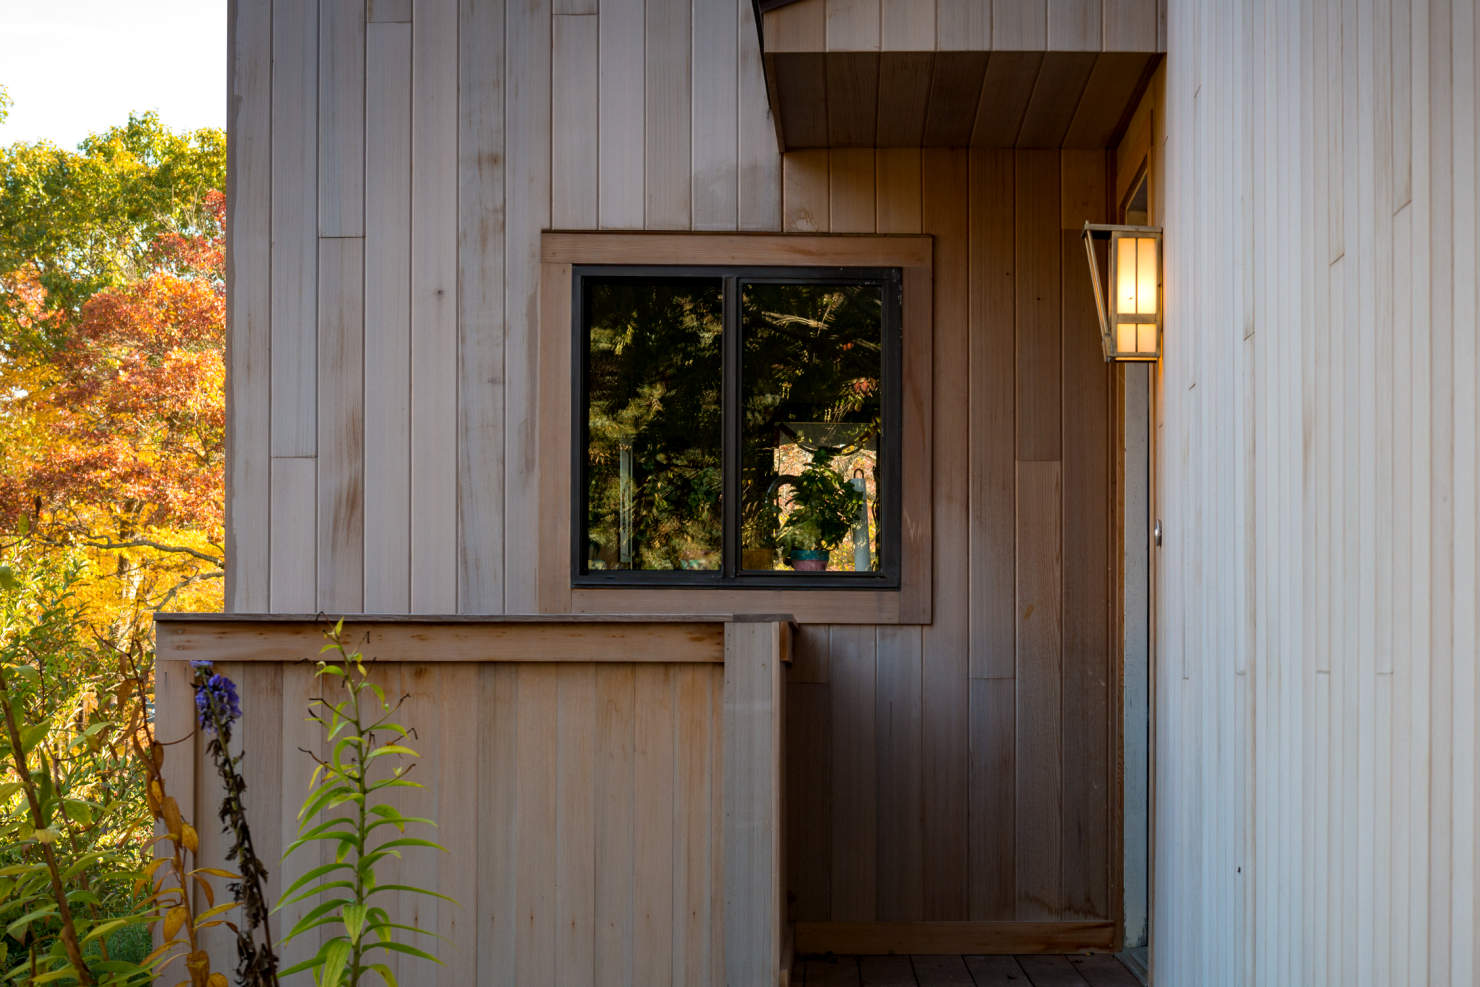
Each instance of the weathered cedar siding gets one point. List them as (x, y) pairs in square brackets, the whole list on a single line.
[(957, 771), (1316, 695)]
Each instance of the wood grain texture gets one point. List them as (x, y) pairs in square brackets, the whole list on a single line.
[(667, 159), (851, 190), (945, 691), (805, 177), (431, 640), (964, 25), (340, 482), (294, 227), (387, 585), (434, 332), (621, 130), (904, 98), (1039, 602), (754, 894), (341, 122), (1075, 25), (248, 304), (715, 114), (1037, 284), (905, 25), (481, 322), (527, 44), (992, 411), (574, 96), (853, 25), (1020, 25), (897, 735), (293, 576), (852, 86), (958, 938), (759, 158), (852, 664), (1089, 665)]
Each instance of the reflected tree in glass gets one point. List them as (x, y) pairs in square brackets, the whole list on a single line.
[(811, 366), (654, 384)]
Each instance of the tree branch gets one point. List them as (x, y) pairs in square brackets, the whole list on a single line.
[(147, 543)]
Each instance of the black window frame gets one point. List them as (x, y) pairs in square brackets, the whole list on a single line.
[(730, 576)]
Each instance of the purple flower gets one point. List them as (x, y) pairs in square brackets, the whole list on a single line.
[(215, 697)]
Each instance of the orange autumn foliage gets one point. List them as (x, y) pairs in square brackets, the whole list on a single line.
[(113, 440)]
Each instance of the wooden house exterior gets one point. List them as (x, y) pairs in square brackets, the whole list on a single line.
[(948, 765)]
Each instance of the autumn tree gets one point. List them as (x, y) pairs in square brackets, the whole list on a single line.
[(112, 318)]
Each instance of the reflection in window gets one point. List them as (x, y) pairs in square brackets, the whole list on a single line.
[(810, 397), (654, 473), (737, 426)]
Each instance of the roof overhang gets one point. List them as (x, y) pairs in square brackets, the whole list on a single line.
[(824, 96)]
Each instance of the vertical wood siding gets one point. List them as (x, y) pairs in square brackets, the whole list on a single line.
[(962, 771), (966, 25), (392, 166), (1318, 441), (959, 771)]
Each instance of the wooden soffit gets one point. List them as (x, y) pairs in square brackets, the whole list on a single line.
[(838, 78)]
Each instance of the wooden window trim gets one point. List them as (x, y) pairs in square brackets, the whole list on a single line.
[(910, 603)]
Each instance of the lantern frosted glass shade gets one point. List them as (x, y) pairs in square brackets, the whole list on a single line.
[(1130, 310)]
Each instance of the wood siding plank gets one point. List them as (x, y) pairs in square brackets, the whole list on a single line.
[(249, 263), (853, 25), (653, 904), (621, 130), (293, 535), (1089, 659), (963, 25), (851, 663), (715, 112), (1020, 25), (759, 153), (527, 211), (851, 190), (1039, 782), (341, 124), (388, 318), (1131, 25), (294, 227), (904, 98), (901, 847), (341, 418), (992, 415), (575, 827), (667, 159), (616, 808), (573, 119), (1075, 25), (434, 331), (906, 25), (1037, 281), (481, 322), (945, 689)]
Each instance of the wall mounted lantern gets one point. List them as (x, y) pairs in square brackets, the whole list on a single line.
[(1130, 316)]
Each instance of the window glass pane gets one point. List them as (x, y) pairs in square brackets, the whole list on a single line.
[(654, 456), (811, 368)]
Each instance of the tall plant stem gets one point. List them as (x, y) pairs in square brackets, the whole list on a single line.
[(64, 911)]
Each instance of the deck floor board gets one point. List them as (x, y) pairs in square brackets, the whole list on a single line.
[(1082, 970)]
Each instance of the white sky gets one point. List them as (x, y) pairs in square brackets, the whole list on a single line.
[(74, 67)]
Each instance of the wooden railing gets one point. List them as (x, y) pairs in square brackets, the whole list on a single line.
[(608, 790)]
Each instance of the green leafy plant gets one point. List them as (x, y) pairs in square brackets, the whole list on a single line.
[(346, 808), (824, 507), (79, 788)]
